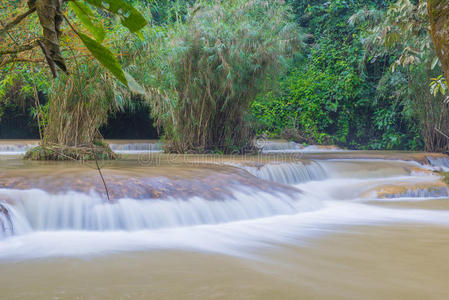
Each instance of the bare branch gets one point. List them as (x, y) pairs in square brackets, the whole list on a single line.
[(21, 48), (16, 21), (19, 60)]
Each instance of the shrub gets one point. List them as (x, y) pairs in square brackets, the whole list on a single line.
[(210, 69)]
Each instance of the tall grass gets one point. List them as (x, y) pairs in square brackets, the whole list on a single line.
[(79, 105)]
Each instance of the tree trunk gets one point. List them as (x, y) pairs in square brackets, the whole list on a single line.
[(439, 28)]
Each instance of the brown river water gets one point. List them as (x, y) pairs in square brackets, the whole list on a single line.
[(291, 223)]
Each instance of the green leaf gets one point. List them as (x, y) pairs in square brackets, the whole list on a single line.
[(133, 85), (84, 13), (434, 62), (105, 57), (130, 17)]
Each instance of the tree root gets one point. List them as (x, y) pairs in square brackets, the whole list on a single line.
[(64, 153)]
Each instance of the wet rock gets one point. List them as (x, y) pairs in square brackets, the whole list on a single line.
[(208, 182), (6, 227)]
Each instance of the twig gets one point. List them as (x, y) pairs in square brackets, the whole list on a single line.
[(17, 21), (96, 163), (21, 48), (101, 174), (19, 59), (442, 133)]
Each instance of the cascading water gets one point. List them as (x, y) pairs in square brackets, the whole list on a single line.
[(289, 173), (269, 146), (280, 202), (292, 147), (439, 162), (136, 147), (33, 210), (18, 148), (15, 148)]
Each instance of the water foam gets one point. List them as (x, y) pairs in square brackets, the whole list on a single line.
[(289, 173), (136, 148), (236, 238), (36, 210), (75, 224), (15, 149)]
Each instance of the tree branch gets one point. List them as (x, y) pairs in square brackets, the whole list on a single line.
[(21, 48), (20, 59), (16, 21)]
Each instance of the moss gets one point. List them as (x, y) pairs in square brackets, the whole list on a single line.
[(99, 151)]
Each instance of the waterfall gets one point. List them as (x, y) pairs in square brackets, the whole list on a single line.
[(292, 147), (10, 149), (439, 162), (270, 146), (36, 210), (206, 207), (136, 147), (289, 173)]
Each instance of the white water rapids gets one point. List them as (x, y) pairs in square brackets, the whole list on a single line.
[(331, 194), (139, 147)]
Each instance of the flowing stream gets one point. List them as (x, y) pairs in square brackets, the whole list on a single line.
[(323, 224)]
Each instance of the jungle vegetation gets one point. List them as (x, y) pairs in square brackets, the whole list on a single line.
[(213, 74)]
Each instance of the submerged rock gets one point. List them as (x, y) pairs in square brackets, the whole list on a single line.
[(208, 182), (6, 227), (424, 190)]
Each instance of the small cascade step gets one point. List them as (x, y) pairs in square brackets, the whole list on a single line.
[(36, 210), (289, 173), (136, 147), (15, 148)]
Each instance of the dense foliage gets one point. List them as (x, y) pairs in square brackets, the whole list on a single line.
[(211, 66), (348, 90), (215, 73)]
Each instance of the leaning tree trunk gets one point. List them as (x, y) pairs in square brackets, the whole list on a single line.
[(439, 28)]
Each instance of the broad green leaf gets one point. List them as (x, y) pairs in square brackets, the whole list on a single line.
[(105, 57), (84, 14), (130, 17)]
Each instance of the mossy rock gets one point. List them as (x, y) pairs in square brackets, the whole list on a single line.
[(66, 153)]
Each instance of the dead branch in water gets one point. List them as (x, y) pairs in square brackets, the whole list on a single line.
[(101, 174), (59, 151)]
